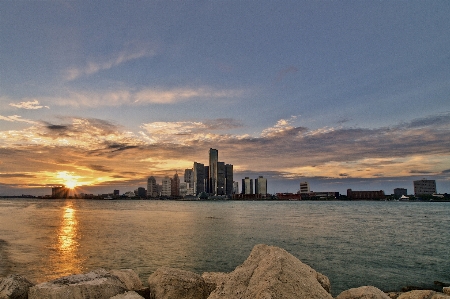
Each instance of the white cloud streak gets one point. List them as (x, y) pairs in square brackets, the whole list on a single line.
[(33, 105)]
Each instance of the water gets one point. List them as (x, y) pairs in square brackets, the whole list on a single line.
[(385, 244)]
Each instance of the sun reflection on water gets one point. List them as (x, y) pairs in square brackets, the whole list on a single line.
[(69, 261)]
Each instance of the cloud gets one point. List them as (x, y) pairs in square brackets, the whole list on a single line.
[(29, 105), (16, 118), (93, 67)]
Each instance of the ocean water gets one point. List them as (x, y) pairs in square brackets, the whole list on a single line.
[(385, 244)]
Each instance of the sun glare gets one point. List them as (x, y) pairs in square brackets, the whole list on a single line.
[(69, 180)]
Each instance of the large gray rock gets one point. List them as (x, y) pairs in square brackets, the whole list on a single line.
[(271, 272), (14, 287), (365, 292), (423, 294), (170, 283), (97, 284), (128, 295)]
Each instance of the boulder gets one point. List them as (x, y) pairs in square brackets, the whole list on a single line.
[(365, 292), (213, 279), (128, 295), (446, 290), (14, 287), (96, 284), (169, 283), (272, 272), (423, 294)]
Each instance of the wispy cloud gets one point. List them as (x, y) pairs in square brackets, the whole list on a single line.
[(101, 64), (16, 118), (34, 104)]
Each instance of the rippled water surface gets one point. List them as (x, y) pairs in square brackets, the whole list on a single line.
[(385, 244)]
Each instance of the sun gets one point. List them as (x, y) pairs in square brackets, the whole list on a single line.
[(69, 180)]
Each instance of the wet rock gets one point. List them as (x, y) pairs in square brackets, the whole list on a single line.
[(14, 287), (168, 283), (365, 292), (97, 284), (271, 272), (128, 295)]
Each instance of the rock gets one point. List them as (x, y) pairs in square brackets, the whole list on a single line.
[(213, 279), (129, 278), (423, 294), (446, 290), (14, 287), (97, 284), (393, 295), (128, 295), (168, 283), (271, 272), (365, 292)]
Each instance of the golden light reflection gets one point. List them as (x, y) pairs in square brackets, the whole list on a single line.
[(69, 261)]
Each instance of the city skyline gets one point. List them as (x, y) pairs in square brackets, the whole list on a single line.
[(340, 94)]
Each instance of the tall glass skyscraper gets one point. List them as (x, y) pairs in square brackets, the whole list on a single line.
[(213, 160)]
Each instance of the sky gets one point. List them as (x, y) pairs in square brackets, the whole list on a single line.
[(342, 94)]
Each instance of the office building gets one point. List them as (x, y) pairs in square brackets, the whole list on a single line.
[(247, 185), (175, 185), (213, 161), (261, 186), (166, 187), (229, 179), (60, 192), (152, 189), (189, 176), (235, 187), (399, 192), (221, 188), (362, 195), (141, 192), (199, 178), (304, 187), (424, 187)]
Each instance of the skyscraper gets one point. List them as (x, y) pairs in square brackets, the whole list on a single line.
[(213, 160), (166, 186), (199, 178), (175, 185), (152, 190), (229, 179), (247, 186), (221, 188), (261, 186)]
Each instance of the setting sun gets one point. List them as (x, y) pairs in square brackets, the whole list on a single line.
[(69, 180)]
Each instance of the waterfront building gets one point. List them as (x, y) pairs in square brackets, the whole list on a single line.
[(189, 176), (199, 178), (60, 192), (175, 185), (261, 186), (229, 179), (304, 187), (399, 192), (235, 187), (247, 185), (152, 189), (141, 192), (365, 194), (220, 179), (424, 187), (213, 161), (166, 187), (116, 193), (183, 189)]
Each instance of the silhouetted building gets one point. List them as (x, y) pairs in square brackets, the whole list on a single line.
[(175, 185), (424, 187), (398, 192), (60, 192), (228, 179), (213, 171), (220, 179), (365, 194), (304, 187), (199, 178), (166, 187)]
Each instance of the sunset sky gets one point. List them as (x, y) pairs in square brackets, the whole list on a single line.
[(343, 94)]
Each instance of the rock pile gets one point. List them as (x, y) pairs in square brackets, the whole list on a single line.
[(268, 273)]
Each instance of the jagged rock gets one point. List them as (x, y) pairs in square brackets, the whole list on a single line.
[(14, 287), (271, 272), (212, 279), (128, 295), (393, 295), (129, 278), (446, 290), (97, 284), (365, 292), (423, 294), (169, 283)]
